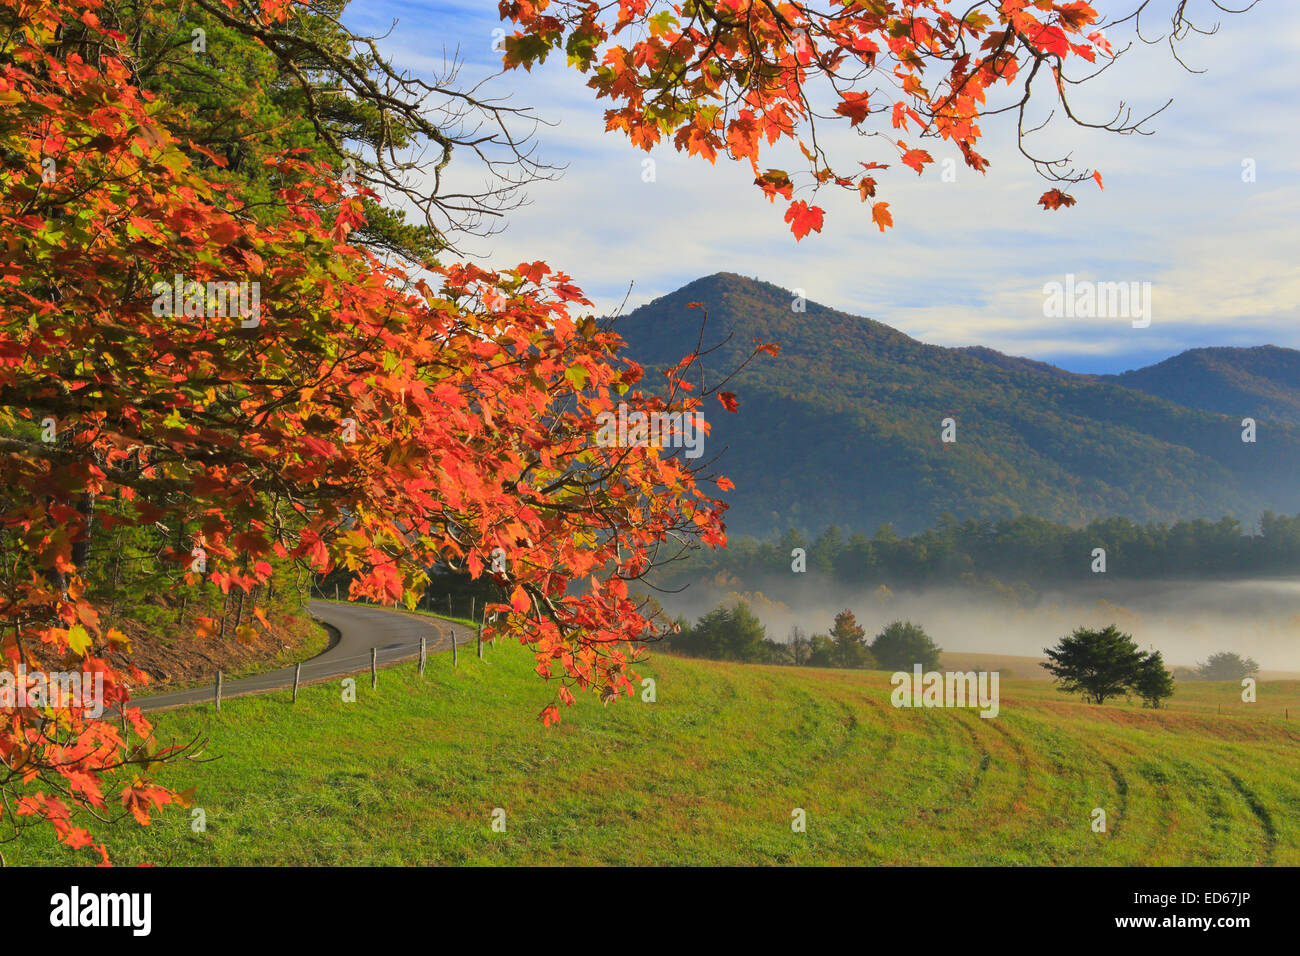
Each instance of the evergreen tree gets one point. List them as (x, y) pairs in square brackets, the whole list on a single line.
[(1099, 664), (1153, 682)]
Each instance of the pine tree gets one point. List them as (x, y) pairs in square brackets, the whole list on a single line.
[(1154, 682)]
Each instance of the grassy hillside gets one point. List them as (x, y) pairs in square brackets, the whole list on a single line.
[(709, 774), (844, 427)]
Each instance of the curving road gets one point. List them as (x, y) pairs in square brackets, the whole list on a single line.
[(355, 629)]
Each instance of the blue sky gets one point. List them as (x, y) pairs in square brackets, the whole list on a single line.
[(967, 260)]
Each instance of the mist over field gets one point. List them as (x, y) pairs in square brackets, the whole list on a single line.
[(1185, 620)]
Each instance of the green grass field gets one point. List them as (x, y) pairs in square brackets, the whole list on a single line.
[(709, 774)]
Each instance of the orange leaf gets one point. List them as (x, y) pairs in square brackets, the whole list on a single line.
[(519, 599), (881, 216), (1055, 199), (804, 218), (917, 158)]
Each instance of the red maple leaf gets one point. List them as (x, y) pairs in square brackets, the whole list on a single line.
[(803, 218), (1055, 199), (917, 158)]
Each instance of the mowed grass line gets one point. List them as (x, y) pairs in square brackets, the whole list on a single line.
[(710, 773)]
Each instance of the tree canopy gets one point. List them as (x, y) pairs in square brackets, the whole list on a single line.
[(737, 77), (902, 645), (1227, 665), (1101, 664), (337, 411)]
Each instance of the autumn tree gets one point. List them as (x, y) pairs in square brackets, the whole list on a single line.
[(249, 88), (734, 78), (338, 411), (346, 410), (850, 642)]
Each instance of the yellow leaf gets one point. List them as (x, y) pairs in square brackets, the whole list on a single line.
[(118, 639), (79, 640)]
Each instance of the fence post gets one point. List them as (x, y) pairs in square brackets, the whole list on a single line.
[(297, 672), (471, 608), (336, 590), (374, 667), (218, 691), (480, 641), (449, 605), (454, 662), (421, 656)]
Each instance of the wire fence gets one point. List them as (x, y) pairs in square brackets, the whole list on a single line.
[(328, 666)]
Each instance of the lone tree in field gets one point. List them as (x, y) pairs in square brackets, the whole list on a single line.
[(902, 645), (1099, 664), (1227, 666), (1154, 682)]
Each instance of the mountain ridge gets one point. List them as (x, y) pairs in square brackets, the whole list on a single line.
[(844, 426), (1262, 381)]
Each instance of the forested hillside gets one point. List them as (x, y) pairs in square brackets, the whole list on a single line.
[(844, 426), (1262, 382)]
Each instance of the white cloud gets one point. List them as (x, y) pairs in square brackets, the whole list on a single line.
[(967, 260)]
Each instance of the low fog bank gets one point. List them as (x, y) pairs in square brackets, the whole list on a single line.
[(1187, 621)]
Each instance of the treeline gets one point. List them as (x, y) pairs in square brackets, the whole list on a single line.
[(1084, 660), (1013, 551), (732, 632)]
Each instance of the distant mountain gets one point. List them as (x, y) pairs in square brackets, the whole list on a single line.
[(844, 426), (1262, 382)]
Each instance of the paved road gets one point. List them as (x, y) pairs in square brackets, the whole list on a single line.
[(355, 629)]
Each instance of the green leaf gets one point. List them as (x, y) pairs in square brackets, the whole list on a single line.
[(577, 377)]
